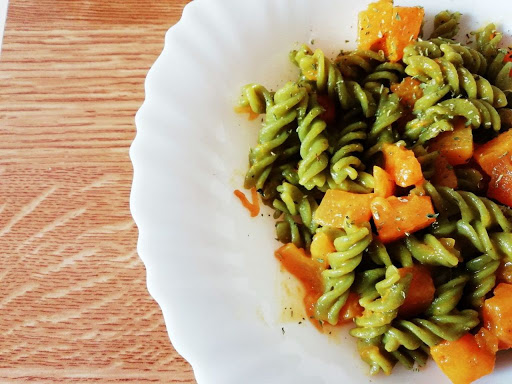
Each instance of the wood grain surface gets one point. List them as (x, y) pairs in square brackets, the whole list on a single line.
[(73, 300)]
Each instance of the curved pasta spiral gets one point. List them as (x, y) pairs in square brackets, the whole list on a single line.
[(439, 117), (256, 97), (447, 296), (344, 162), (411, 334), (355, 65), (388, 112), (468, 215), (315, 67), (380, 309), (383, 75), (313, 147), (446, 24), (294, 202), (392, 254), (340, 277), (470, 179), (275, 131), (487, 40), (424, 53), (433, 251), (289, 231), (483, 278), (499, 72)]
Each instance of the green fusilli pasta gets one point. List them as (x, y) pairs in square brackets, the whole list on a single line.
[(355, 157), (340, 277)]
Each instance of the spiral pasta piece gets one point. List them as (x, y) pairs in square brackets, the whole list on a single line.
[(313, 147), (487, 40), (289, 231), (411, 334), (446, 24), (499, 72), (373, 354), (384, 74), (470, 179), (393, 254), (468, 215), (447, 296), (256, 97), (294, 202), (439, 118), (388, 112), (355, 65), (483, 278), (381, 307), (410, 358), (345, 163), (340, 277), (433, 251), (275, 131), (315, 67), (451, 51)]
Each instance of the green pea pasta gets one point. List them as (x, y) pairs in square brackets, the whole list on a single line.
[(389, 185)]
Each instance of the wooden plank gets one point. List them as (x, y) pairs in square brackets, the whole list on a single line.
[(74, 302)]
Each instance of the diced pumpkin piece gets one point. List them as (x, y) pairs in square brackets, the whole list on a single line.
[(338, 206), (420, 293), (328, 105), (504, 273), (463, 361), (490, 153), (487, 340), (374, 22), (351, 309), (444, 175), (402, 165), (320, 247), (384, 183), (406, 25), (396, 217), (298, 263), (497, 314), (457, 145), (408, 91), (500, 186)]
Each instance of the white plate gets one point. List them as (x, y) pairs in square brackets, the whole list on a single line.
[(209, 266)]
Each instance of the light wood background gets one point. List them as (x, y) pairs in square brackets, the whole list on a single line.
[(73, 300)]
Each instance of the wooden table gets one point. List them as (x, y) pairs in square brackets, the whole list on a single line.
[(73, 300)]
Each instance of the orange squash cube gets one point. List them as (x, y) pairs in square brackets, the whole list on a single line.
[(457, 145), (463, 361), (490, 153), (374, 22), (445, 175), (408, 91), (384, 183), (421, 291), (402, 165), (406, 25), (338, 206), (500, 186), (298, 263), (320, 247), (497, 314), (395, 217)]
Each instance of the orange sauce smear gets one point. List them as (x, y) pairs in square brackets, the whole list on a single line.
[(252, 115), (254, 207)]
